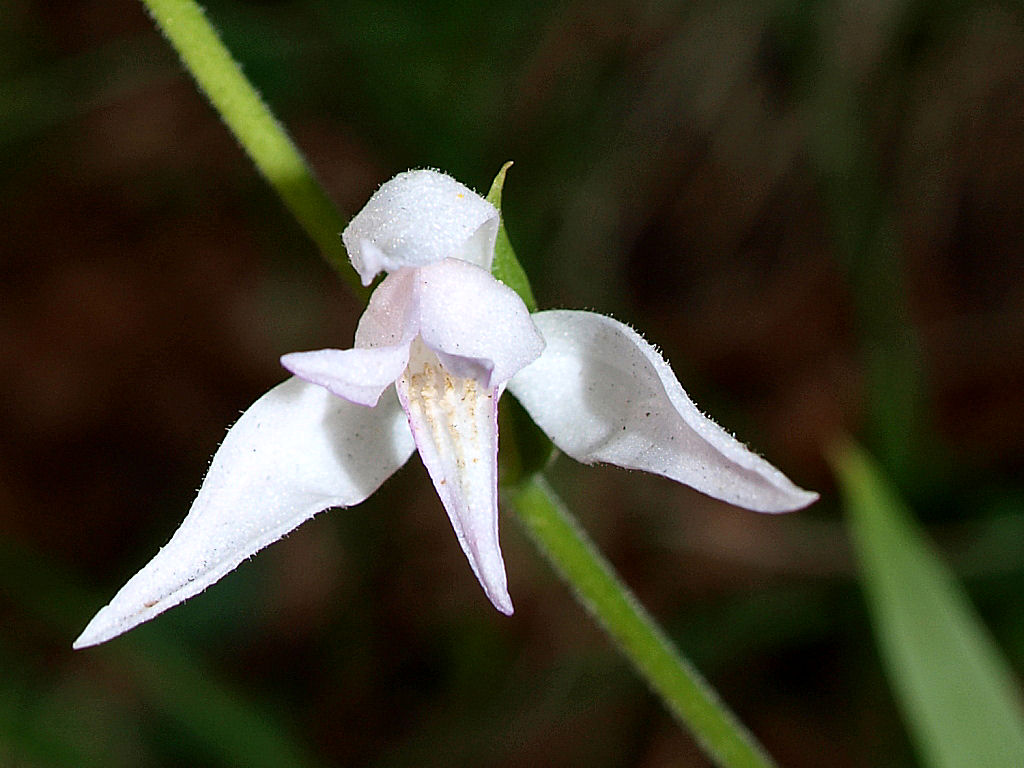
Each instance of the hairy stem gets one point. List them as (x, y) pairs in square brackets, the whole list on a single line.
[(686, 694), (254, 126)]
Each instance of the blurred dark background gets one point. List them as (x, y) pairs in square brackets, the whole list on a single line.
[(814, 208)]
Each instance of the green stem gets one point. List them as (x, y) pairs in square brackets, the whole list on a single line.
[(254, 126), (686, 694), (554, 530)]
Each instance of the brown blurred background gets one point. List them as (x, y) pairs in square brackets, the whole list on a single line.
[(814, 208)]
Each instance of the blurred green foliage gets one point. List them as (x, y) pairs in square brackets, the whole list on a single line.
[(960, 699)]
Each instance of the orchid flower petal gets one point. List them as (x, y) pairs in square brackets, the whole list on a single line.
[(392, 315), (477, 325), (417, 218), (602, 393), (454, 421), (296, 451), (358, 375)]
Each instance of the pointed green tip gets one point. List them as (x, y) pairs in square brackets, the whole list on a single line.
[(506, 266), (494, 195)]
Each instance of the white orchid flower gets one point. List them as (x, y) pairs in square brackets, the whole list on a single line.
[(449, 337)]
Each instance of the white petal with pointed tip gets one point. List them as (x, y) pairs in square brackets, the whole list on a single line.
[(602, 393), (417, 218), (358, 375), (455, 423), (296, 451)]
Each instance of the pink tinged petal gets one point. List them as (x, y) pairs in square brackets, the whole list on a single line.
[(417, 218), (478, 326), (455, 424), (358, 375), (602, 393), (296, 451), (392, 315)]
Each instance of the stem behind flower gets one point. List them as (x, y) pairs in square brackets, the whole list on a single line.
[(549, 523)]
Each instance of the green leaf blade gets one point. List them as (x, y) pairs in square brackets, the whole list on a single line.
[(957, 692)]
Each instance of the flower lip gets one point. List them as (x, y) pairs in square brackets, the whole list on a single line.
[(417, 218), (454, 421)]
